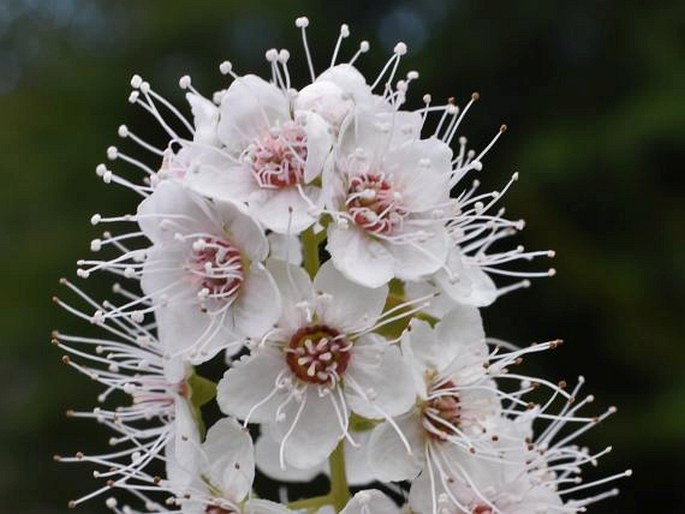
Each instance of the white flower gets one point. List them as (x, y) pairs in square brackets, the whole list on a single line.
[(383, 194), (223, 476), (269, 157), (204, 273), (318, 364), (456, 402)]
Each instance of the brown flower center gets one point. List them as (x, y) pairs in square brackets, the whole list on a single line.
[(317, 354)]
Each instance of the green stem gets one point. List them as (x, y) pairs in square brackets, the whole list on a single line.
[(310, 251), (311, 504), (340, 491)]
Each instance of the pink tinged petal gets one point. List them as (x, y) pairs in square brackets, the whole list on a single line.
[(248, 108), (310, 437), (205, 119), (264, 507), (319, 142), (360, 258), (284, 210), (378, 382), (388, 455), (295, 287), (258, 306), (249, 388), (370, 501), (267, 457), (242, 230), (353, 308), (229, 464), (420, 258)]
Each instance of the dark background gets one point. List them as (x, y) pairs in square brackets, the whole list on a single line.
[(592, 92)]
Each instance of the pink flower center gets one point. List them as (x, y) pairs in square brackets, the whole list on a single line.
[(442, 411), (317, 354), (279, 157), (481, 509), (373, 204), (217, 266)]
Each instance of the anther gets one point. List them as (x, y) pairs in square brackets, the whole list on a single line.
[(302, 22), (225, 67), (400, 49), (185, 82), (112, 153)]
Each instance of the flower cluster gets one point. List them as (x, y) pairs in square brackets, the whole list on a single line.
[(320, 242)]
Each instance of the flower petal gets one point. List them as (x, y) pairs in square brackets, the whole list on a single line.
[(378, 382), (284, 210), (249, 106), (259, 305), (309, 433), (267, 458), (359, 257), (353, 307), (371, 500), (229, 462), (388, 454), (245, 387)]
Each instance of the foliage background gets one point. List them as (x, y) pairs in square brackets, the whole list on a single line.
[(593, 95)]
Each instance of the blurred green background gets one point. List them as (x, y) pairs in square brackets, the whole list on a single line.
[(592, 92)]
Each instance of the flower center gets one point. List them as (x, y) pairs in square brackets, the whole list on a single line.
[(278, 158), (218, 267), (481, 509), (317, 354), (373, 204), (442, 412)]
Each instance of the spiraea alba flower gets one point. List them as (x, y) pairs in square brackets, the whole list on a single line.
[(330, 248)]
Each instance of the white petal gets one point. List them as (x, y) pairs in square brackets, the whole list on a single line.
[(173, 200), (319, 141), (230, 463), (206, 117), (296, 287), (359, 472), (242, 230), (249, 106), (388, 455), (359, 257), (197, 335), (231, 182), (378, 133), (421, 171), (285, 248), (468, 284), (461, 336), (326, 99), (418, 259), (353, 308), (244, 388), (258, 307), (378, 382), (349, 80), (268, 462), (284, 210), (264, 507), (316, 431), (182, 451), (370, 502)]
